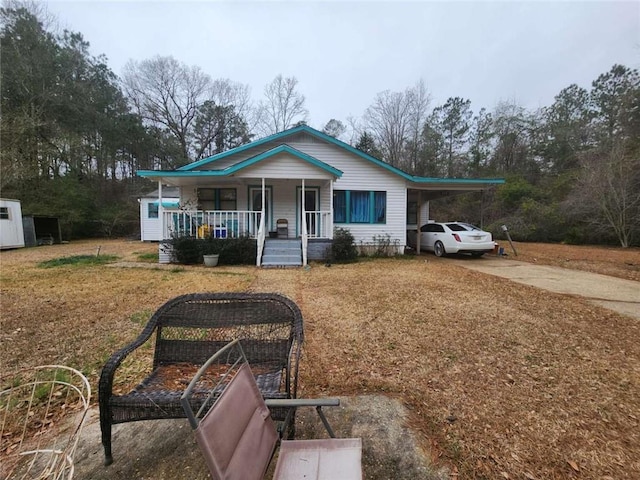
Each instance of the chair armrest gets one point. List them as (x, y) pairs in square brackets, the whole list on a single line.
[(302, 402), (318, 403), (109, 369)]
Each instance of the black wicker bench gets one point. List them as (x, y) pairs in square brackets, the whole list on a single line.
[(188, 330)]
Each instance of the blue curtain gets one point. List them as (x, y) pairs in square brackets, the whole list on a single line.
[(339, 206), (380, 206), (360, 208)]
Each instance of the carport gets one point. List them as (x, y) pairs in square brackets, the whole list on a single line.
[(423, 190)]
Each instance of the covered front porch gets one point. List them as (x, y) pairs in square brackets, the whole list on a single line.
[(261, 209)]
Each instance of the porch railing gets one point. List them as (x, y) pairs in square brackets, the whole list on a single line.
[(319, 224), (210, 223), (234, 224)]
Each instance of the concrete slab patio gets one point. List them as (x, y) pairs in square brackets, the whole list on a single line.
[(622, 296), (166, 449)]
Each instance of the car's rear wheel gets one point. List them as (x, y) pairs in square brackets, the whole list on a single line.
[(438, 249)]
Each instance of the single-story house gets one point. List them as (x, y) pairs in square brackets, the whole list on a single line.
[(299, 184), (150, 212)]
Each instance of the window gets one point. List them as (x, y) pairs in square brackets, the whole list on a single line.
[(412, 213), (217, 199), (359, 206), (152, 210), (207, 198), (432, 228), (4, 213), (227, 199), (340, 206)]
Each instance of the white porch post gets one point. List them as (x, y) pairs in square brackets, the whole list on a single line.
[(418, 220), (160, 210), (330, 222), (304, 217), (261, 227), (263, 199), (304, 228)]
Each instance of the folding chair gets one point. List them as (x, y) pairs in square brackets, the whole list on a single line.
[(282, 227), (238, 438)]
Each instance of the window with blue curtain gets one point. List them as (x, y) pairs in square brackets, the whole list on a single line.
[(359, 206), (340, 206), (380, 207)]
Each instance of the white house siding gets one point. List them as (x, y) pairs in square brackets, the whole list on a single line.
[(361, 174), (150, 227), (284, 166), (358, 174)]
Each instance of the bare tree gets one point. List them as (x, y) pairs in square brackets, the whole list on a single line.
[(396, 120), (282, 108), (419, 100), (608, 192), (171, 95)]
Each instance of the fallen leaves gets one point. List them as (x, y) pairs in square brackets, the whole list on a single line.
[(528, 375)]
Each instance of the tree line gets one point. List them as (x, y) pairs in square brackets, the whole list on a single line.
[(73, 134)]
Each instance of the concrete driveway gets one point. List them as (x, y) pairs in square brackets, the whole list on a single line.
[(622, 296)]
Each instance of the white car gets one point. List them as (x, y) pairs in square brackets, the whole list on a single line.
[(453, 237)]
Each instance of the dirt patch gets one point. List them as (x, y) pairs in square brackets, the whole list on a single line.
[(167, 448), (499, 380)]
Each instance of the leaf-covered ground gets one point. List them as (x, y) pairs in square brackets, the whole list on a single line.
[(502, 380)]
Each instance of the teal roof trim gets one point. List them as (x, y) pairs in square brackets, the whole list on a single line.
[(292, 131), (318, 134), (177, 173), (492, 181), (244, 164), (167, 204), (292, 151), (247, 146)]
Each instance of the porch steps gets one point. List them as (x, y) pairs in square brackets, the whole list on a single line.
[(282, 252)]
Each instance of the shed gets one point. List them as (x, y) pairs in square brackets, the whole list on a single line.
[(11, 230), (149, 212), (41, 230)]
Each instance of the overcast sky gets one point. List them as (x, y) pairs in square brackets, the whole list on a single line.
[(344, 52)]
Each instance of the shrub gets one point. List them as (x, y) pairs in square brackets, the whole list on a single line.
[(186, 250), (238, 251), (343, 248), (383, 246), (232, 251)]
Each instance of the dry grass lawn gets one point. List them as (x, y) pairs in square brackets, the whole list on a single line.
[(502, 380)]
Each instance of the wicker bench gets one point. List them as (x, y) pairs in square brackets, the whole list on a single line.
[(188, 330)]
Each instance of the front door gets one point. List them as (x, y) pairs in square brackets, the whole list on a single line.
[(311, 203), (255, 195)]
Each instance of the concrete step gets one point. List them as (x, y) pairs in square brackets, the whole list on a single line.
[(282, 259), (273, 250), (282, 253), (283, 242)]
